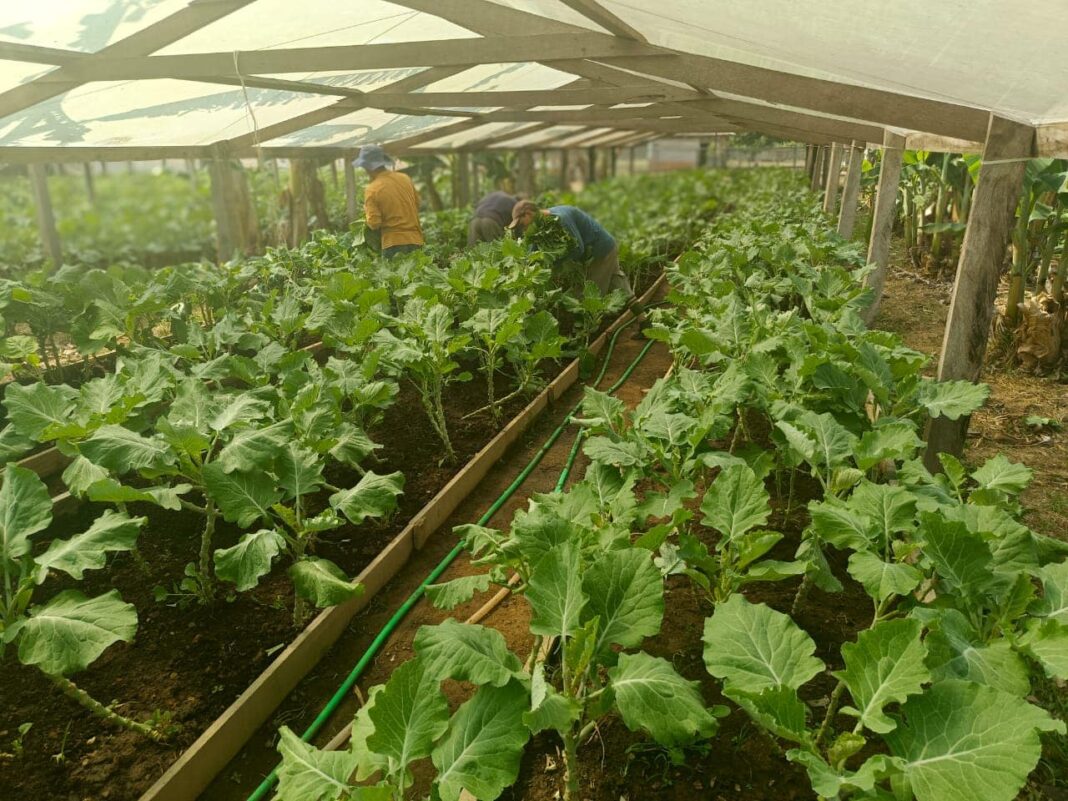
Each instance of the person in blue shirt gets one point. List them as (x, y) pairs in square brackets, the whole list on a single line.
[(593, 246)]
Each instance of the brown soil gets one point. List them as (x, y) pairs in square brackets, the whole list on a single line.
[(916, 307)]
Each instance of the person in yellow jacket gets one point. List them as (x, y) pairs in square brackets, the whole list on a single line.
[(390, 203)]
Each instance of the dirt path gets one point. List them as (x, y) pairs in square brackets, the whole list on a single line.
[(916, 308)]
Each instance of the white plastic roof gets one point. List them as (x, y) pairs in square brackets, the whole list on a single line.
[(126, 79)]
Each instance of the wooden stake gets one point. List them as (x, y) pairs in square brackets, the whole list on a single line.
[(90, 188), (982, 255), (848, 214), (834, 174), (351, 211), (46, 220), (819, 162), (525, 173), (883, 218)]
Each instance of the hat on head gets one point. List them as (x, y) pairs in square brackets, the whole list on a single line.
[(520, 209), (372, 157)]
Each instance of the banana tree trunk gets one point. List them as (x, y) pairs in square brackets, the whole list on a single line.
[(940, 212)]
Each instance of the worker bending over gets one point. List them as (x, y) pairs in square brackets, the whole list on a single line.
[(593, 247), (390, 203), (492, 215)]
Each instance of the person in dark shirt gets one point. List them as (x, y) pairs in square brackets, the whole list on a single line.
[(492, 214), (593, 246)]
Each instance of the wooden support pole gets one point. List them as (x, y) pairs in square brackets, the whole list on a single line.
[(630, 159), (810, 160), (351, 211), (819, 161), (461, 182), (524, 181), (591, 165), (46, 220), (834, 175), (90, 186), (225, 230), (847, 216), (882, 226), (565, 180), (982, 255)]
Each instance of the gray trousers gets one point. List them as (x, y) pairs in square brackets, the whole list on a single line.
[(605, 272), (483, 229)]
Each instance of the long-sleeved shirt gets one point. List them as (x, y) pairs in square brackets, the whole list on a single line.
[(590, 237), (497, 206), (391, 205)]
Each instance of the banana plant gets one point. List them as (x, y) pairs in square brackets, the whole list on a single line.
[(69, 631)]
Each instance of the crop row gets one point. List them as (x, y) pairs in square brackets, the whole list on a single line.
[(777, 386)]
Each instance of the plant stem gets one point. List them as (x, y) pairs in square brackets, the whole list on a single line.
[(789, 497), (802, 595), (207, 589), (832, 710), (571, 786), (76, 693)]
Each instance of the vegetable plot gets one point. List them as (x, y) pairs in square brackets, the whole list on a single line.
[(781, 407)]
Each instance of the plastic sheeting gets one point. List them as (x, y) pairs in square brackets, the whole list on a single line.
[(980, 54)]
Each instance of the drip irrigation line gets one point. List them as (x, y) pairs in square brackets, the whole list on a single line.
[(261, 792)]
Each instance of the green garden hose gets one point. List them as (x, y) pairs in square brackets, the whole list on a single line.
[(383, 635)]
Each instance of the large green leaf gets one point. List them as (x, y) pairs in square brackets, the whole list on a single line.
[(243, 408), (962, 741), (69, 632), (895, 441), (736, 502), (466, 652), (308, 774), (752, 647), (81, 474), (243, 498), (255, 448), (961, 558), (300, 471), (1002, 475), (951, 399), (109, 533), (555, 593), (604, 450), (409, 715), (13, 445), (322, 582), (829, 783), (450, 594), (652, 696), (108, 490), (884, 666), (33, 409), (626, 590), (892, 509), (834, 443), (955, 651), (1046, 641), (373, 496), (245, 563), (480, 753), (25, 509), (352, 445), (777, 709), (883, 579), (1054, 601), (121, 450)]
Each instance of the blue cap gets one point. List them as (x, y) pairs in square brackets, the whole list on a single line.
[(372, 157)]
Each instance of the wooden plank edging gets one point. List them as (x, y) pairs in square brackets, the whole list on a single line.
[(199, 764)]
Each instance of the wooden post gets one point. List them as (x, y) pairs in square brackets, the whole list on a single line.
[(630, 159), (225, 233), (982, 255), (882, 225), (612, 161), (351, 212), (565, 182), (46, 220), (524, 182), (333, 172), (850, 195), (90, 187), (818, 160), (591, 165), (461, 182), (834, 174)]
